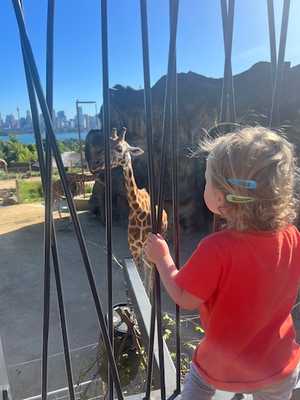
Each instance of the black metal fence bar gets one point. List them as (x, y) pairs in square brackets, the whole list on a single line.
[(167, 109), (5, 395), (149, 137), (38, 87), (156, 306), (277, 87), (175, 197), (49, 55), (38, 140), (148, 108), (173, 7), (36, 127), (227, 112), (272, 38), (35, 117), (48, 204), (49, 99), (108, 185)]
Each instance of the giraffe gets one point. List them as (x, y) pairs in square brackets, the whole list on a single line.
[(139, 219), (75, 183)]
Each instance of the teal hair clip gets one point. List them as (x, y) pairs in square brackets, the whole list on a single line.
[(233, 198), (244, 183)]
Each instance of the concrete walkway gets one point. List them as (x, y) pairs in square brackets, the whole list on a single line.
[(21, 299)]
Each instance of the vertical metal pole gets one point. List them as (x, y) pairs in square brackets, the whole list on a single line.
[(4, 395), (272, 38), (80, 148), (48, 202), (228, 112), (175, 199), (34, 112), (49, 100), (38, 140), (149, 136), (156, 306), (77, 227), (227, 108), (108, 185), (96, 116), (277, 88)]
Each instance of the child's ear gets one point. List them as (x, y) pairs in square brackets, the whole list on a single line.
[(135, 151), (220, 197)]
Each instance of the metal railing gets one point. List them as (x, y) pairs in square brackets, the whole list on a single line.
[(169, 135)]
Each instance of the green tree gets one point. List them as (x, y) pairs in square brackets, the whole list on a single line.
[(15, 151)]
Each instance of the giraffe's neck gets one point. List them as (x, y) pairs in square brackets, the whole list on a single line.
[(130, 186)]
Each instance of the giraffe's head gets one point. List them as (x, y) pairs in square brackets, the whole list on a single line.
[(120, 152)]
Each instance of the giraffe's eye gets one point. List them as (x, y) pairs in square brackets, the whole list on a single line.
[(119, 149)]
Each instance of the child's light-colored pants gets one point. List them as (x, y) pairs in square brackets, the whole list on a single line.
[(195, 388)]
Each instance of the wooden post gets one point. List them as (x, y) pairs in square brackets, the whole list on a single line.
[(18, 191)]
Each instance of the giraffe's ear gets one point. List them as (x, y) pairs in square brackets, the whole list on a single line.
[(135, 151)]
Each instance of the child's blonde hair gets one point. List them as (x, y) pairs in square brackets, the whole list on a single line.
[(264, 158)]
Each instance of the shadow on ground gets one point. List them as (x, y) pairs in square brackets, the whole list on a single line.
[(21, 299)]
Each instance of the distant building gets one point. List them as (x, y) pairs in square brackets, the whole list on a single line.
[(28, 120), (72, 123), (61, 120), (18, 125), (10, 122), (22, 123)]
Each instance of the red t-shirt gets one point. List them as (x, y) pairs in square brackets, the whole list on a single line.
[(248, 283)]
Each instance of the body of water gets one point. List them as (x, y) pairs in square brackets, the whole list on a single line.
[(28, 138)]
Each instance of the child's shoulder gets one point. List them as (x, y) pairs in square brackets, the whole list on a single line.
[(226, 234), (229, 236), (219, 239)]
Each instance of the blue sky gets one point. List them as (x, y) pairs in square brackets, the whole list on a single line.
[(77, 68)]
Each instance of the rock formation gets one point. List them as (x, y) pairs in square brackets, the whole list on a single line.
[(198, 107)]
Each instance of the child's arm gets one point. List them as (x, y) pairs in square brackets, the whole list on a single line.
[(157, 251)]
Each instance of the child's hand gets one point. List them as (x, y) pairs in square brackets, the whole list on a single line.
[(156, 248)]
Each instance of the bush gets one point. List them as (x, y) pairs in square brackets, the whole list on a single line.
[(88, 188), (15, 151), (29, 192)]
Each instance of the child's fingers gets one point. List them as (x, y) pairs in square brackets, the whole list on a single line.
[(150, 237)]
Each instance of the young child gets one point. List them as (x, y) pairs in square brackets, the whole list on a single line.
[(244, 279)]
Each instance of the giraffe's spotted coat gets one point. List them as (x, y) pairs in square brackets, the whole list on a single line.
[(139, 220)]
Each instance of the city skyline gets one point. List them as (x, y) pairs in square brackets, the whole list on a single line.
[(23, 122)]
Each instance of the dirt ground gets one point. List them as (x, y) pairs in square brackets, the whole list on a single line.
[(7, 184), (19, 216)]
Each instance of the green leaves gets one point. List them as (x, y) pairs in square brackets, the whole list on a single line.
[(15, 151)]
